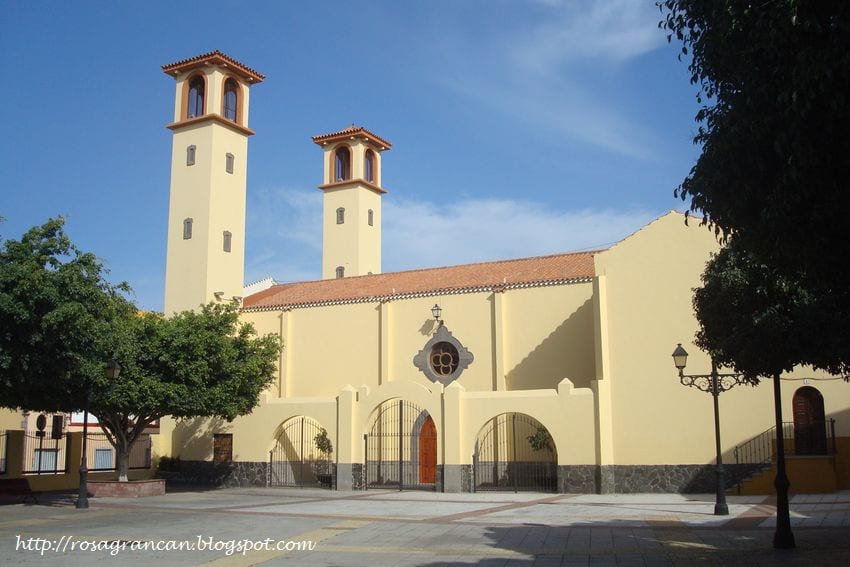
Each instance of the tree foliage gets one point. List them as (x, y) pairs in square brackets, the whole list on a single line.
[(774, 127), (758, 321), (61, 322), (56, 317), (194, 364)]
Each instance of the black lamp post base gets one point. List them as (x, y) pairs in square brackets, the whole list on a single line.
[(721, 510)]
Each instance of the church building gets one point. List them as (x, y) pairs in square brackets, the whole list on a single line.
[(549, 373)]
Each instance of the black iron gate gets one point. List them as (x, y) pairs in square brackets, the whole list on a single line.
[(302, 455), (401, 448), (515, 452)]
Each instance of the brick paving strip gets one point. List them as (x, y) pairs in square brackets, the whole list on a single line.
[(494, 509)]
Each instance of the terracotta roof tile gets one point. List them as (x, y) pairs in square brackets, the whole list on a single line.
[(522, 272), (214, 57), (349, 132)]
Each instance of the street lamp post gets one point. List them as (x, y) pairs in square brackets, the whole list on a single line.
[(714, 384), (112, 371)]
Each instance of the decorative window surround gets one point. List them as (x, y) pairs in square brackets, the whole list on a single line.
[(423, 359)]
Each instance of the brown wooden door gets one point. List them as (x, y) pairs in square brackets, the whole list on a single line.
[(428, 452), (809, 422)]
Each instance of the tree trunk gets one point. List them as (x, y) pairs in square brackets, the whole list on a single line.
[(123, 456)]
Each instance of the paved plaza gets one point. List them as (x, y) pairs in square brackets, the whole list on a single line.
[(375, 528)]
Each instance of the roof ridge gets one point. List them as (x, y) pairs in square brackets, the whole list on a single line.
[(215, 53)]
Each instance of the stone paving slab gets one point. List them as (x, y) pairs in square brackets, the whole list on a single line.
[(377, 528)]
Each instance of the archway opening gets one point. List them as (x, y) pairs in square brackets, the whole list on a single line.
[(401, 447), (302, 455), (514, 452)]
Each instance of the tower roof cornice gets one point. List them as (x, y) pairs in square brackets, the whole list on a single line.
[(353, 132), (215, 58)]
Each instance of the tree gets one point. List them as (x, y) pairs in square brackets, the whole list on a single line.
[(195, 364), (61, 322), (774, 84), (56, 314), (758, 321)]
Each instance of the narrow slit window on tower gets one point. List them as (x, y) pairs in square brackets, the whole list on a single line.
[(196, 98), (228, 237), (228, 163), (340, 216), (342, 164), (369, 166), (190, 155), (231, 97), (187, 228), (340, 272), (370, 217)]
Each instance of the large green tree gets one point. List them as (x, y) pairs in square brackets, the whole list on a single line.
[(61, 322), (194, 364), (774, 127), (56, 319)]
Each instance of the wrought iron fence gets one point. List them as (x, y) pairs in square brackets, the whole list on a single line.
[(302, 456), (514, 452), (44, 453), (401, 448), (816, 438), (101, 455)]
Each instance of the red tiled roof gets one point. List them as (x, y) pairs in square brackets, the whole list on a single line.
[(523, 272), (216, 57), (350, 132)]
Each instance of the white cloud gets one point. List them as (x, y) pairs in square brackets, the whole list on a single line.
[(424, 234), (613, 31), (285, 232), (538, 74)]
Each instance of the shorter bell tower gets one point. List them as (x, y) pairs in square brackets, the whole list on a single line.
[(351, 227)]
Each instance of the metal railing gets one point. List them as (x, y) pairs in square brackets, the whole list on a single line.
[(813, 439), (101, 455), (44, 453)]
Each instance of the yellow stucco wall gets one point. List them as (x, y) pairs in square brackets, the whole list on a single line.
[(9, 419), (548, 336), (646, 299)]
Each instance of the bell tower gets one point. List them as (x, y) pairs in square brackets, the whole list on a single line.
[(205, 258), (351, 226)]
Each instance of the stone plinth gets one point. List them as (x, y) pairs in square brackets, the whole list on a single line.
[(129, 489)]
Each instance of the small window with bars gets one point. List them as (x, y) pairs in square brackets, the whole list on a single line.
[(226, 240), (190, 155), (187, 228), (228, 163)]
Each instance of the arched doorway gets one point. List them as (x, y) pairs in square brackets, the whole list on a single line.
[(809, 422), (401, 447), (514, 451), (302, 455)]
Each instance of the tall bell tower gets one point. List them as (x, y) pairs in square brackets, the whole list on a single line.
[(205, 258), (351, 226)]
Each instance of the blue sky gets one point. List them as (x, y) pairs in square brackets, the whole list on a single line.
[(519, 128)]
